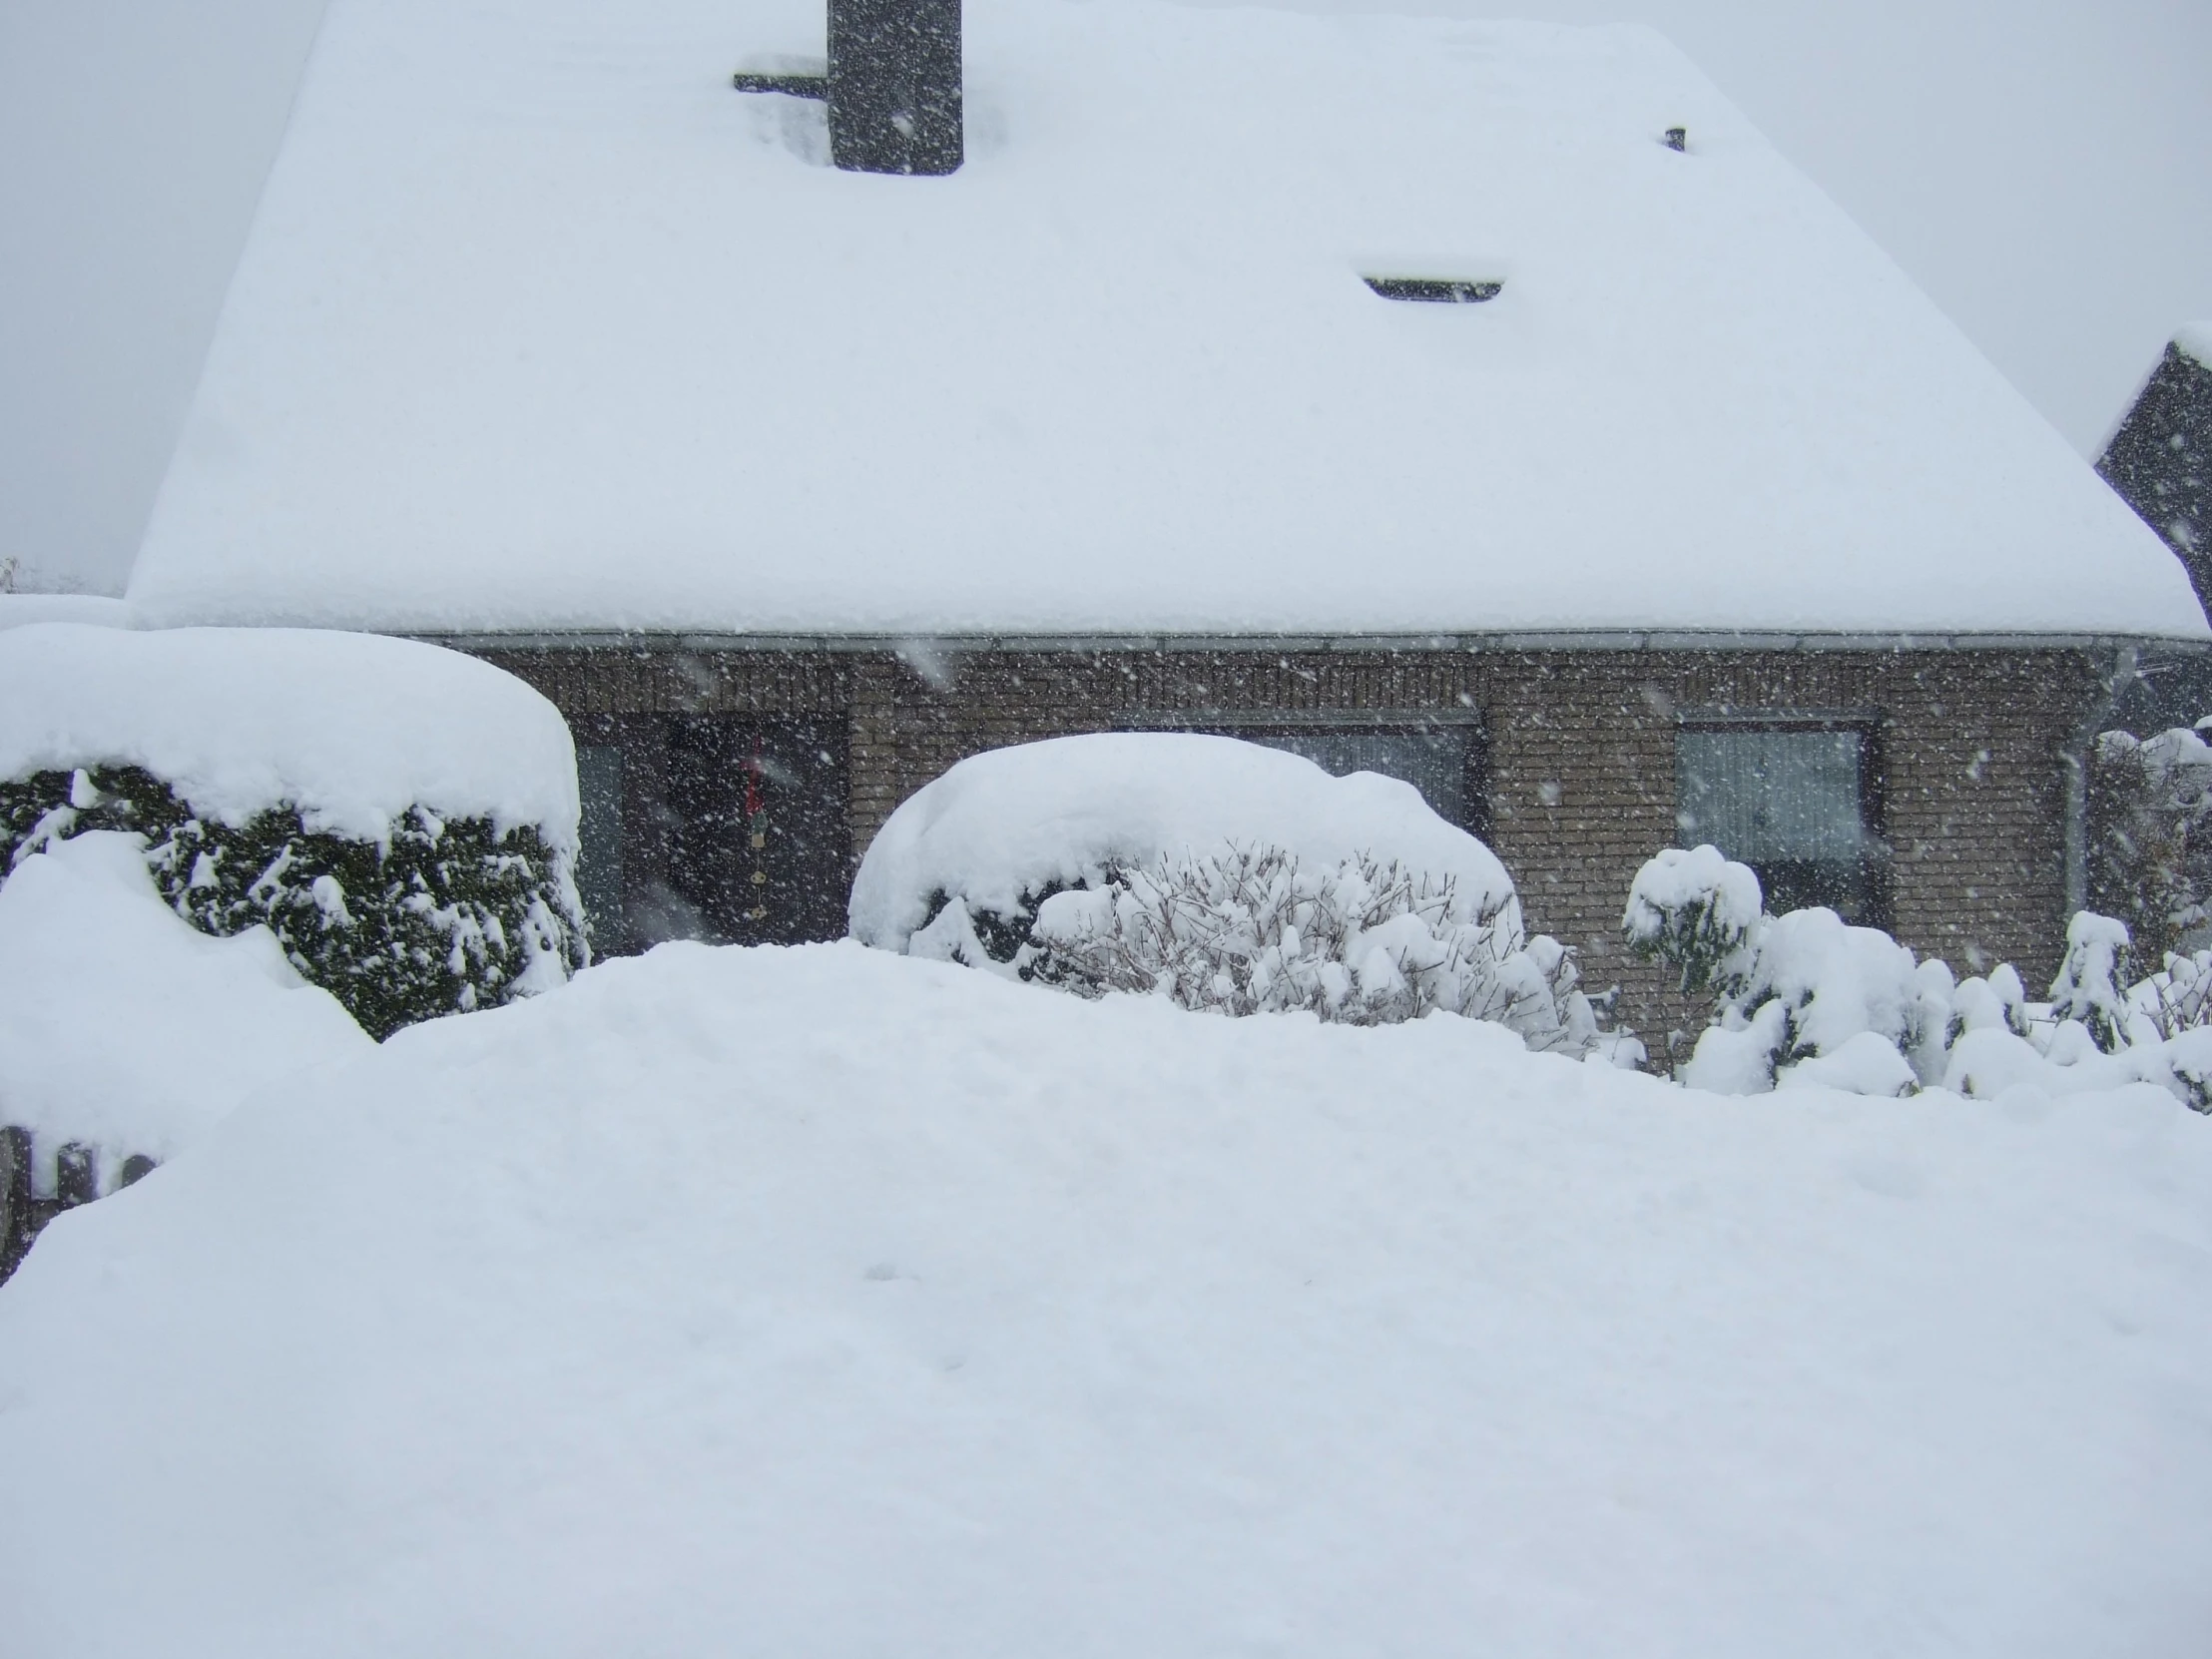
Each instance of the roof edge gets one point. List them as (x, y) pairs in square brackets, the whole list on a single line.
[(1506, 641)]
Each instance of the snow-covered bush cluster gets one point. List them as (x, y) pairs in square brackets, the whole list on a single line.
[(2151, 836), (1227, 876), (1808, 998), (1252, 930), (401, 818)]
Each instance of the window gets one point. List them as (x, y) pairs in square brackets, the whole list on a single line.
[(1442, 760), (1798, 802), (599, 866)]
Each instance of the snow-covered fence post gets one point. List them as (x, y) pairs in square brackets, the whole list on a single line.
[(76, 1182)]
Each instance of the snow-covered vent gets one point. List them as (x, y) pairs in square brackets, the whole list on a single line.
[(1677, 139), (1434, 291), (892, 86)]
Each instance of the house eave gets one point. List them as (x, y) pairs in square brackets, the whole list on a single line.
[(1158, 643)]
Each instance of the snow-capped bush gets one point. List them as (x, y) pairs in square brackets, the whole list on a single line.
[(1695, 910), (2090, 980), (1228, 876), (2178, 997), (403, 818), (2150, 842), (1807, 999)]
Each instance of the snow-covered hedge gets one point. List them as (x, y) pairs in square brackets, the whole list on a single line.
[(1226, 875), (1807, 999), (404, 819)]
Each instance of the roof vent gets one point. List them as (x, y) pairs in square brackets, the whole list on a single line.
[(1677, 139), (893, 87), (1436, 291)]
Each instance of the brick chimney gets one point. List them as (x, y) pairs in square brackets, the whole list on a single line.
[(893, 87)]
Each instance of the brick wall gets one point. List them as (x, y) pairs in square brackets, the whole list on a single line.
[(1581, 752)]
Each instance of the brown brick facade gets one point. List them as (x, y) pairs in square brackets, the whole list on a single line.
[(1579, 750)]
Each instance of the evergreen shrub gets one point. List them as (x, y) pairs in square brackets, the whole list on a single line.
[(447, 916)]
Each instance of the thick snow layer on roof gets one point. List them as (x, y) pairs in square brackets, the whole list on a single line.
[(352, 729), (123, 1027), (1063, 813), (2194, 339), (542, 325), (826, 1301)]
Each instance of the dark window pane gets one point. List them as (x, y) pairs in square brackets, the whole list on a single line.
[(599, 861), (1792, 805), (1435, 763)]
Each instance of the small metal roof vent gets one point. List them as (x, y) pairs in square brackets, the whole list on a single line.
[(1436, 291), (894, 86)]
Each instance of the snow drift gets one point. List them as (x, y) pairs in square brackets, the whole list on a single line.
[(823, 1300), (125, 1029)]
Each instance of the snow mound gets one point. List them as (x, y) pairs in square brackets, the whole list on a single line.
[(19, 610), (823, 1300), (123, 1027), (1016, 821), (352, 728)]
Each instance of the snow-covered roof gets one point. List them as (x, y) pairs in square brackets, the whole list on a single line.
[(2194, 341), (541, 325)]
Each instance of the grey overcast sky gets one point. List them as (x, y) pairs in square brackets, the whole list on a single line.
[(2043, 170)]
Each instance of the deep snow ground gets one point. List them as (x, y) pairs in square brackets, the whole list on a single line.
[(826, 1302)]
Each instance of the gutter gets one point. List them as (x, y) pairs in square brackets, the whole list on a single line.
[(955, 644)]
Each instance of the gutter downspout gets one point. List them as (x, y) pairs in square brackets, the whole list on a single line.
[(2076, 759)]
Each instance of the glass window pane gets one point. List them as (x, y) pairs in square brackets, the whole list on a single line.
[(599, 861), (1764, 796), (1435, 763)]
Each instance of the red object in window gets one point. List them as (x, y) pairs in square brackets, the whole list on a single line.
[(755, 803)]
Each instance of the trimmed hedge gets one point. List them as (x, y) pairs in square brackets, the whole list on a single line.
[(449, 915)]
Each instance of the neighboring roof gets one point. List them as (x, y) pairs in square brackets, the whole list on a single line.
[(542, 327), (2160, 457)]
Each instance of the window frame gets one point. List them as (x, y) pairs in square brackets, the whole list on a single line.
[(1871, 726)]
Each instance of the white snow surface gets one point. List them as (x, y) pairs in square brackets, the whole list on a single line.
[(352, 728), (18, 610), (2194, 339), (823, 1300), (125, 1028), (1068, 810), (541, 325)]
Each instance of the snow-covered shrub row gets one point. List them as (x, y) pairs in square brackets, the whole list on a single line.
[(402, 818), (1808, 998), (1228, 876), (2151, 836)]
